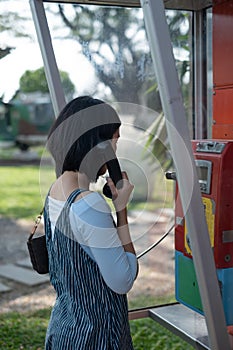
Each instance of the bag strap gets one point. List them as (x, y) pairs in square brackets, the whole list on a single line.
[(37, 222)]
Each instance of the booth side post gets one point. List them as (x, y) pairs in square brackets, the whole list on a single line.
[(50, 65)]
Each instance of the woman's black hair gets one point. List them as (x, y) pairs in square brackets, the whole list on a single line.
[(83, 124)]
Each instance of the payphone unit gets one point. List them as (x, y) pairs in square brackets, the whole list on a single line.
[(214, 162)]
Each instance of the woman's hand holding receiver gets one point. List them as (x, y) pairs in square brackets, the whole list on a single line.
[(120, 197)]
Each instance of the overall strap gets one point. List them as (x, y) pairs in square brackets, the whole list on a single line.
[(73, 195), (62, 224), (69, 200)]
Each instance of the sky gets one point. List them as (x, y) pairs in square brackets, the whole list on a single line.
[(26, 55)]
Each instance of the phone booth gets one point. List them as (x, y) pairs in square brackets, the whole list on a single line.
[(214, 165), (215, 172), (212, 158)]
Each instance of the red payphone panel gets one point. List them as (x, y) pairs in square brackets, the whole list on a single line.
[(222, 69), (214, 161)]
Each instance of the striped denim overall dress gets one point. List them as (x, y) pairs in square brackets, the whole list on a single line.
[(87, 314)]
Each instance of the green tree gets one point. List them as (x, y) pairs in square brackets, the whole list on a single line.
[(109, 39), (32, 81), (114, 41), (12, 21), (18, 30)]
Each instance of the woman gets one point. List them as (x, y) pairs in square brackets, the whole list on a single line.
[(92, 262)]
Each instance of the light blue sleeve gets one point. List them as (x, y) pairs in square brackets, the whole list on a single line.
[(118, 268), (100, 240)]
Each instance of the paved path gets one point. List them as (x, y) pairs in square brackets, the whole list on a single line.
[(16, 271), (20, 272)]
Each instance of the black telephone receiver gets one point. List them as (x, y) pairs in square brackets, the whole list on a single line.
[(115, 174), (113, 166)]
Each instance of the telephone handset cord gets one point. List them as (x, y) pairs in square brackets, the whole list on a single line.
[(156, 243)]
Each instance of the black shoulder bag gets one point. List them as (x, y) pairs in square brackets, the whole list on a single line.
[(38, 250)]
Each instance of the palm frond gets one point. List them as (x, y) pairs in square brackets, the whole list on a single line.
[(157, 143)]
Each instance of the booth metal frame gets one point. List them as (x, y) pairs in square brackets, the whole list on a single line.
[(207, 332)]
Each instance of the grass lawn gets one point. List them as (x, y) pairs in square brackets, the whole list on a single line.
[(23, 190), (20, 189), (27, 331)]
